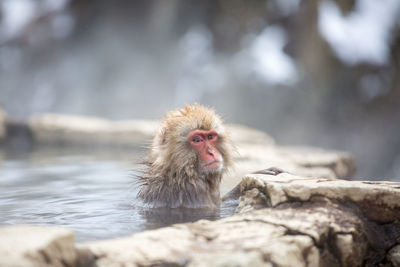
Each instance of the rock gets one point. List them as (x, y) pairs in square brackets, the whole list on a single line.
[(36, 246), (241, 134), (341, 164), (80, 130), (235, 241), (253, 259), (309, 236), (255, 149), (378, 201), (282, 220), (303, 161)]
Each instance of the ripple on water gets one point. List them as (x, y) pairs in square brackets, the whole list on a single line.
[(94, 197)]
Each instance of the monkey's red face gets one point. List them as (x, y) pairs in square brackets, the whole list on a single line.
[(205, 143)]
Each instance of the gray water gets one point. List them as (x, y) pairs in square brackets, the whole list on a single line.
[(91, 193)]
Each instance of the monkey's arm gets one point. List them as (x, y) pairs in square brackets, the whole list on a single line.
[(235, 192)]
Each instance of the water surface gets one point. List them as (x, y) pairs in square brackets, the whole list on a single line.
[(89, 192)]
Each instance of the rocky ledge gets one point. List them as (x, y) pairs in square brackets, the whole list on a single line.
[(282, 220), (255, 149)]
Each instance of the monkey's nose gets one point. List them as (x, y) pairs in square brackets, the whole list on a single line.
[(211, 151)]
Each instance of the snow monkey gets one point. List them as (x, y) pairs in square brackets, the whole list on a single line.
[(189, 154)]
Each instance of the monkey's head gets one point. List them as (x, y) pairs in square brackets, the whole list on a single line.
[(193, 141), (189, 154)]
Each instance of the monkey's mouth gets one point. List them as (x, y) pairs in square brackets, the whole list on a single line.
[(215, 164)]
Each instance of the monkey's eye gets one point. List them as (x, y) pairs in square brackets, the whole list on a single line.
[(197, 139), (210, 136)]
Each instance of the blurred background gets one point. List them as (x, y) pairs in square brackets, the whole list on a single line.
[(319, 73)]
